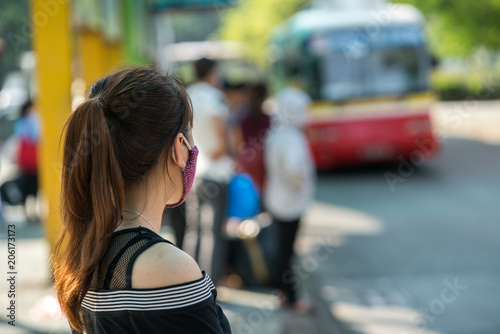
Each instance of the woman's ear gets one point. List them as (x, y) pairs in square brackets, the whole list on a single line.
[(177, 149)]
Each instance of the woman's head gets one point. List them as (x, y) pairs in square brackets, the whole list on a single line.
[(144, 111), (118, 140)]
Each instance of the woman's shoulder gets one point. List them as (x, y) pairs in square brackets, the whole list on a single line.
[(162, 265)]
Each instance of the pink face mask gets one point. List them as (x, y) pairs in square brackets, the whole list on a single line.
[(189, 172)]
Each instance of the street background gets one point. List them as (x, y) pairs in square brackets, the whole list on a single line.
[(408, 247), (373, 260)]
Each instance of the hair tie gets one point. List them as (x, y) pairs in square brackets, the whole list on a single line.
[(102, 101)]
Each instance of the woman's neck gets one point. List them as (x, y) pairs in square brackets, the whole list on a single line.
[(147, 204)]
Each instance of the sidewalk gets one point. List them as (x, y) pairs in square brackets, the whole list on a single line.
[(249, 312)]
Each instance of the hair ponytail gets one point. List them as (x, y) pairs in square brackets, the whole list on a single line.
[(92, 196)]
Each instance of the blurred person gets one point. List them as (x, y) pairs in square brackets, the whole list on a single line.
[(237, 102), (289, 186), (27, 135), (122, 166), (210, 115), (27, 130), (235, 98), (250, 135)]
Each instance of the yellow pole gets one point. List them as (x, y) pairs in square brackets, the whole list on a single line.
[(52, 43), (98, 55), (115, 55), (94, 57)]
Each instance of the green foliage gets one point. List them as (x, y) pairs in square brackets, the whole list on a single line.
[(466, 85), (458, 27), (468, 30), (14, 30), (252, 21)]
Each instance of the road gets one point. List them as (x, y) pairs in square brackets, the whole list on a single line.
[(417, 257)]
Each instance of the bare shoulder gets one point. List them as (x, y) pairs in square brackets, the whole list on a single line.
[(162, 265)]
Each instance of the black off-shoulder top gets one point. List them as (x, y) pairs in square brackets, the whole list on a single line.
[(112, 306)]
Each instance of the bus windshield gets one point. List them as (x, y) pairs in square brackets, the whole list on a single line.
[(394, 62)]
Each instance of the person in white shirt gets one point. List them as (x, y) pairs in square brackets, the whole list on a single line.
[(210, 113), (290, 183)]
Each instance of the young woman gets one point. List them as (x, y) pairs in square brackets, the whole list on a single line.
[(128, 153)]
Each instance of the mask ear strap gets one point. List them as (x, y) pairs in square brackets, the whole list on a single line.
[(186, 142)]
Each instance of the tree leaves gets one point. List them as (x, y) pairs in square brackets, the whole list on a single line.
[(252, 21), (458, 27)]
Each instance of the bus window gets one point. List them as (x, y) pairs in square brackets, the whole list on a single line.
[(392, 72), (384, 65), (395, 71), (341, 78)]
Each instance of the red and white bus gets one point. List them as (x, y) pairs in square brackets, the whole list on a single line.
[(366, 67)]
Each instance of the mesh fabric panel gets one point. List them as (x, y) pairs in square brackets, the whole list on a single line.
[(124, 247)]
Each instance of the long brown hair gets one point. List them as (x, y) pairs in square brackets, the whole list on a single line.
[(112, 141)]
